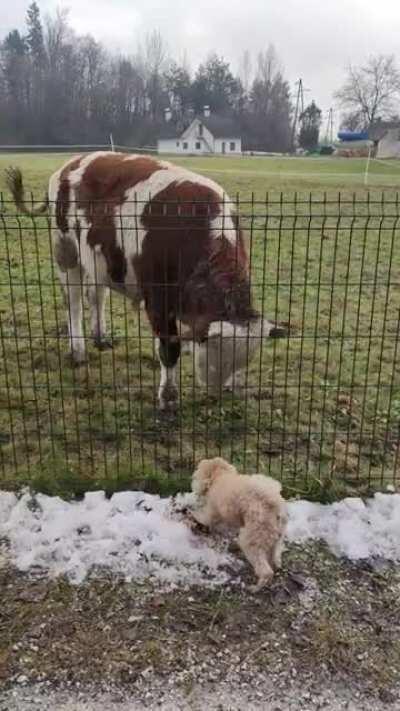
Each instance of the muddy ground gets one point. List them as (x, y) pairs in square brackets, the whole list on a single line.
[(325, 635)]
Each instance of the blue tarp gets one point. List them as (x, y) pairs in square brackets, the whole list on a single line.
[(353, 135)]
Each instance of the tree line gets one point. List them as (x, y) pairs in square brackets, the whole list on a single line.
[(58, 87)]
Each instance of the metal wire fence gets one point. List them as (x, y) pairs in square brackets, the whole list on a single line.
[(318, 408)]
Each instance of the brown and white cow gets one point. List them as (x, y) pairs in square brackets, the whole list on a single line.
[(154, 232)]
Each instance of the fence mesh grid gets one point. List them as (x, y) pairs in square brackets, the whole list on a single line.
[(323, 403)]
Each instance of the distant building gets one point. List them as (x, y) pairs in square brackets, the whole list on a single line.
[(386, 138), (354, 144), (206, 134)]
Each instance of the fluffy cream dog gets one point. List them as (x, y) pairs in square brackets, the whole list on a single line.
[(252, 504)]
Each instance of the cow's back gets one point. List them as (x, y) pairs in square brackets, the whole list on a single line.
[(146, 227)]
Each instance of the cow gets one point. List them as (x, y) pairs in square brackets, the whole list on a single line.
[(156, 233)]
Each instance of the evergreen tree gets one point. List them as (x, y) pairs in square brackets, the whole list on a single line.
[(215, 85), (310, 124), (34, 38)]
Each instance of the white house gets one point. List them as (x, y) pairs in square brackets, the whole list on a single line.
[(206, 134), (386, 137)]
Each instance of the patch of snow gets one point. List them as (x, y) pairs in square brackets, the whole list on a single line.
[(132, 534), (7, 502), (142, 536), (351, 528)]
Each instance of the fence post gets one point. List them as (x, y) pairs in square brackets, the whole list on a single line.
[(367, 167)]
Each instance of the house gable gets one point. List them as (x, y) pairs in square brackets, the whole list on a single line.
[(198, 132), (205, 134)]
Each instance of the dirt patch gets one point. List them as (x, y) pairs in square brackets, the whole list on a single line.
[(321, 619)]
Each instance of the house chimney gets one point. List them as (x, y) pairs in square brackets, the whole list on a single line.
[(168, 114), (206, 111)]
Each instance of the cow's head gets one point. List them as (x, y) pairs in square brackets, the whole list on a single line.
[(219, 289)]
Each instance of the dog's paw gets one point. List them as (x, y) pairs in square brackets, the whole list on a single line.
[(261, 584), (254, 589)]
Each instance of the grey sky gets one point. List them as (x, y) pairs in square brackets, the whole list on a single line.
[(314, 39)]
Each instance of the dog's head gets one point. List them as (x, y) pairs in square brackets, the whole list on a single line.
[(208, 471)]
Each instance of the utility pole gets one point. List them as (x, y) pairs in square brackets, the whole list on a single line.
[(329, 127), (298, 111)]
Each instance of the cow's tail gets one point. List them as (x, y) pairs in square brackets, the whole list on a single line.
[(15, 185)]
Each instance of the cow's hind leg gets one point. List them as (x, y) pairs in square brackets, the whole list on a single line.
[(169, 350), (71, 281), (97, 302)]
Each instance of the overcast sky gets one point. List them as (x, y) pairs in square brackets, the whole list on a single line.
[(315, 39)]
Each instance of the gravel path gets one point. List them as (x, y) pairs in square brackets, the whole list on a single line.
[(325, 635), (223, 697)]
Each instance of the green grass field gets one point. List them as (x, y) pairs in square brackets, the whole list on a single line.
[(321, 409)]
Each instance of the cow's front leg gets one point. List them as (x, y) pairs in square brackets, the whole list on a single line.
[(169, 350), (71, 281), (96, 297)]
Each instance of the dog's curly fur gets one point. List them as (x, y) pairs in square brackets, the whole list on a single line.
[(251, 504)]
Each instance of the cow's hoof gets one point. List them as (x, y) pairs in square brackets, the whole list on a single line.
[(168, 399), (102, 343), (278, 332), (76, 360)]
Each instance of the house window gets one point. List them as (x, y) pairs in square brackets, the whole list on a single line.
[(185, 145), (198, 145), (232, 146), (200, 129), (177, 143)]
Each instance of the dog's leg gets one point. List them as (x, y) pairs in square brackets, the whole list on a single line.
[(277, 555), (257, 557)]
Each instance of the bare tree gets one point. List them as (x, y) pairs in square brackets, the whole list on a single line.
[(268, 64), (155, 52), (155, 57), (245, 70), (267, 126), (56, 34), (370, 91)]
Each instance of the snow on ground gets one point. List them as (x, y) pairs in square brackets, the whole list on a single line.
[(132, 533), (351, 528), (141, 536)]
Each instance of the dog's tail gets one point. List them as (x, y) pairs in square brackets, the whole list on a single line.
[(269, 501), (15, 184), (268, 490)]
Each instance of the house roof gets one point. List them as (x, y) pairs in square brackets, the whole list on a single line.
[(168, 130), (379, 129), (219, 126)]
